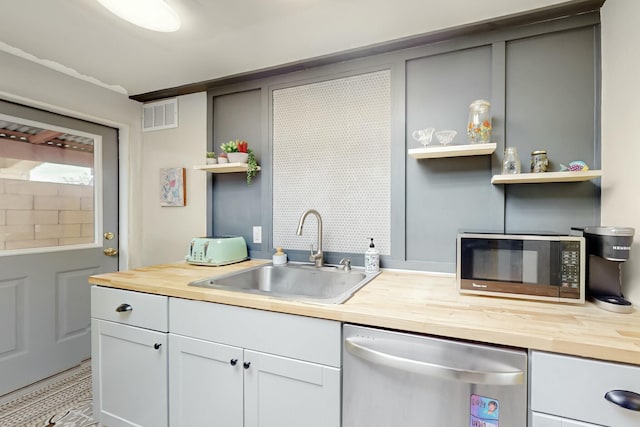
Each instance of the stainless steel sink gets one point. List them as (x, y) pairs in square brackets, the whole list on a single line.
[(324, 285)]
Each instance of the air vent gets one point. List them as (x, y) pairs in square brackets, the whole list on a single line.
[(160, 115)]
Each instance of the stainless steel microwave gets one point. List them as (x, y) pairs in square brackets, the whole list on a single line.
[(540, 267)]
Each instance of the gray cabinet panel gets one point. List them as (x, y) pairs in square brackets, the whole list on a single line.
[(236, 205), (446, 195), (542, 81), (554, 207), (551, 104)]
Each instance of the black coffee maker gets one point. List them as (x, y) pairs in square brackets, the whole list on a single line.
[(607, 248)]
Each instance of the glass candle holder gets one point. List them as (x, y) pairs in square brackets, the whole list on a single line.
[(511, 163)]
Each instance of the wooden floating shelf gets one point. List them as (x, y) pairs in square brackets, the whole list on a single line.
[(224, 168), (436, 152), (532, 178)]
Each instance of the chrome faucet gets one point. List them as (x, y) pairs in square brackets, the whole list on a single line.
[(317, 257), (346, 264)]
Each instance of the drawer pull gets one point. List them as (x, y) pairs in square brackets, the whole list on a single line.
[(123, 308), (233, 362), (157, 346), (626, 399), (246, 365)]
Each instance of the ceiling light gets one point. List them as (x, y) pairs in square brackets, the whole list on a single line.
[(155, 15)]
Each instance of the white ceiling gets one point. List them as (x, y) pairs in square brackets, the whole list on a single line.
[(220, 38)]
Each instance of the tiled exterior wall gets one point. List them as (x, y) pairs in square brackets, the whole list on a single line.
[(40, 214)]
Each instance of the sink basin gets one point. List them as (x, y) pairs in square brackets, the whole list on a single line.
[(324, 285)]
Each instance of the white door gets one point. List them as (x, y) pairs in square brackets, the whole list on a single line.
[(58, 216)]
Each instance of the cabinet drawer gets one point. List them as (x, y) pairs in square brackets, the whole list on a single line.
[(298, 337), (130, 308), (574, 388)]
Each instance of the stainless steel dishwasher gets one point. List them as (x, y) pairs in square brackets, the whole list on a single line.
[(393, 379)]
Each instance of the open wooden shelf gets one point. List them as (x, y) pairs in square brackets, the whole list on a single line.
[(439, 151), (542, 177), (224, 168)]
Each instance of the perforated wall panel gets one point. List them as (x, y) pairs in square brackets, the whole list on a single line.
[(331, 152)]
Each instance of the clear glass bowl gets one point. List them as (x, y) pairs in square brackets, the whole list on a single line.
[(445, 137)]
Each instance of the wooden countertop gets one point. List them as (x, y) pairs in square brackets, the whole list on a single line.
[(423, 303)]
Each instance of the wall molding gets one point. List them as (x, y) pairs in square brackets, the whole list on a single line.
[(519, 20)]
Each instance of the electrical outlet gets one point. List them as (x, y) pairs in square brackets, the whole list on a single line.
[(257, 234)]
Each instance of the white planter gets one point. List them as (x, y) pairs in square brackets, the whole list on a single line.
[(223, 160), (212, 161), (237, 157)]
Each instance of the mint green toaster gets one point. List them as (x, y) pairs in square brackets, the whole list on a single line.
[(216, 251)]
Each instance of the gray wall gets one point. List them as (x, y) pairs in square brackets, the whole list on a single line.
[(449, 194), (552, 99), (543, 83), (237, 206)]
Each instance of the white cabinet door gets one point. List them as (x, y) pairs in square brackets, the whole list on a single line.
[(130, 375), (206, 383), (544, 420), (282, 378), (283, 392)]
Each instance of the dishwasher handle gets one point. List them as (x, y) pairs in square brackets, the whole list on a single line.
[(432, 369)]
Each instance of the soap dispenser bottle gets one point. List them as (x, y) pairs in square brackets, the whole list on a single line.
[(279, 258), (372, 259)]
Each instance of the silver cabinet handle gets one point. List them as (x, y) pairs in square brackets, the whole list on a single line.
[(432, 369), (123, 308), (624, 398)]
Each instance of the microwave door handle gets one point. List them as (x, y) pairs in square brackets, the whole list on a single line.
[(432, 369)]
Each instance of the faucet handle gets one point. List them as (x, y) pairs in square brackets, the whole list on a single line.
[(312, 255), (346, 263)]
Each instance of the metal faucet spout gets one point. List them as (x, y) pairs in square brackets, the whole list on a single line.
[(317, 258)]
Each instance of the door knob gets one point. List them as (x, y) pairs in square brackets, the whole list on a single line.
[(111, 251), (109, 235)]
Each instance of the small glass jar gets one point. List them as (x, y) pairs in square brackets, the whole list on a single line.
[(511, 164), (479, 127), (539, 161)]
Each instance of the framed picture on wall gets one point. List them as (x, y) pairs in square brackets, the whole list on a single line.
[(173, 190)]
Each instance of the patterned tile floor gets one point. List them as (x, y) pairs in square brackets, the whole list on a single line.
[(80, 415), (61, 401)]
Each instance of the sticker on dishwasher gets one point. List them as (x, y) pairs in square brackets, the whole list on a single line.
[(485, 411)]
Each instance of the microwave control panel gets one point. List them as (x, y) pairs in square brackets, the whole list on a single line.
[(570, 272)]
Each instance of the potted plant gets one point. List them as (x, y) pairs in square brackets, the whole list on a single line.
[(252, 166), (236, 151), (222, 158), (211, 158)]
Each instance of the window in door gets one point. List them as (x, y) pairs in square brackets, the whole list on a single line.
[(47, 192)]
